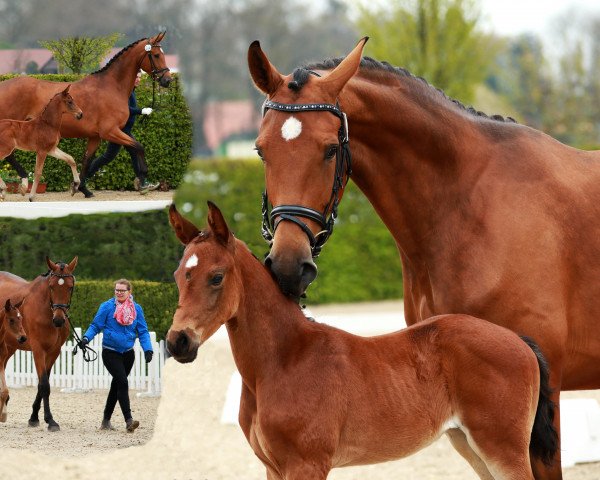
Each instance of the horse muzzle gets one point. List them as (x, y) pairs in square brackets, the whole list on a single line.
[(165, 81), (21, 339), (182, 346), (293, 276), (58, 321)]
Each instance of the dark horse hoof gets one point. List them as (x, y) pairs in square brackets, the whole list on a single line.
[(34, 423), (53, 427), (86, 193)]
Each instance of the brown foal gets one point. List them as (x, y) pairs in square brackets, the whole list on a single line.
[(315, 397), (11, 324)]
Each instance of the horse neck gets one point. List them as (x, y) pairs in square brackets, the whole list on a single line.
[(268, 326), (123, 70), (404, 135), (38, 293)]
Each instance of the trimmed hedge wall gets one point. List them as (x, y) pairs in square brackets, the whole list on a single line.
[(158, 300), (166, 135), (360, 262)]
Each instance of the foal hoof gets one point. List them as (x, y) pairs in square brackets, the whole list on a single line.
[(34, 423), (74, 188), (53, 427), (22, 189), (3, 417)]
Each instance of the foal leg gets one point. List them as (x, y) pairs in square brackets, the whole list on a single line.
[(2, 189), (39, 166), (461, 445), (3, 387), (65, 157)]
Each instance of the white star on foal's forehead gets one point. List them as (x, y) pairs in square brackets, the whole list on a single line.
[(291, 128), (192, 261)]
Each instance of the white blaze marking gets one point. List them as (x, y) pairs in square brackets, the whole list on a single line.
[(192, 261), (291, 128), (61, 281)]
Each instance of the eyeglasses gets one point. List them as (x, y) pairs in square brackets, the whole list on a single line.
[(120, 291)]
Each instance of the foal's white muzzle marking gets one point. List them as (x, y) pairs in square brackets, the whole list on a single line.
[(291, 128)]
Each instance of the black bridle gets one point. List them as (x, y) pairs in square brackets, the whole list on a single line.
[(155, 73), (62, 306), (343, 170)]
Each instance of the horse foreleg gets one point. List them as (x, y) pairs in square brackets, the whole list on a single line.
[(90, 151), (39, 167), (52, 425), (65, 157)]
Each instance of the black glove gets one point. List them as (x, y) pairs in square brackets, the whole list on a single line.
[(84, 341), (148, 355)]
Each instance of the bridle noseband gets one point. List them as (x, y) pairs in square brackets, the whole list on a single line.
[(155, 73), (343, 170)]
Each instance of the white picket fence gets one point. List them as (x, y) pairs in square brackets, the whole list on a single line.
[(71, 373)]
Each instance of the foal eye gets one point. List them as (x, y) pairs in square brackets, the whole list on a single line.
[(330, 152), (188, 276), (216, 280), (157, 55), (259, 152)]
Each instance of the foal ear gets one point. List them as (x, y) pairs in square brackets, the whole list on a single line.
[(265, 76), (185, 230), (7, 305), (18, 305), (217, 224), (66, 90), (73, 263), (335, 81)]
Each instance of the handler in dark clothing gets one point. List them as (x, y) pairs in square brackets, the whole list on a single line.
[(139, 167)]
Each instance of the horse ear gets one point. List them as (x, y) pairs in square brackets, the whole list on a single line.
[(18, 305), (217, 223), (51, 264), (73, 263), (160, 36), (7, 305), (335, 81), (185, 230), (265, 76), (66, 90)]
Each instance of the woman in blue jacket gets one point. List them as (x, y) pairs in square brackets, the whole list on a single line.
[(121, 320)]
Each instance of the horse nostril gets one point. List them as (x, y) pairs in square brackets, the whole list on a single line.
[(309, 273), (183, 343), (22, 339)]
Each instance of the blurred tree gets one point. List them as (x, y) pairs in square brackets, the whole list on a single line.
[(80, 54), (436, 39)]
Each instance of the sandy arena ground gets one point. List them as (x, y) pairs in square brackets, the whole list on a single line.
[(99, 195), (186, 441)]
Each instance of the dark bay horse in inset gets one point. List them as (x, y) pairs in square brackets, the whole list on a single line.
[(46, 322), (103, 96), (11, 325), (491, 218), (315, 397), (41, 135)]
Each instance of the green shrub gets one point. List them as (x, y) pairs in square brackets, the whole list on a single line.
[(166, 135)]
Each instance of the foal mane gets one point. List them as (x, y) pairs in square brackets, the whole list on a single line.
[(117, 55), (368, 64)]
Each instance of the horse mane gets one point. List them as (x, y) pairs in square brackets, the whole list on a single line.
[(301, 75), (117, 55)]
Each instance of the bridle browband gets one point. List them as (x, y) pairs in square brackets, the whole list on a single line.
[(343, 170), (62, 306)]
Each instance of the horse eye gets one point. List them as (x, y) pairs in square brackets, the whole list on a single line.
[(259, 152), (12, 321), (188, 276), (157, 55), (330, 152), (216, 280)]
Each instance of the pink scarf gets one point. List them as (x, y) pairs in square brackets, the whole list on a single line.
[(125, 312)]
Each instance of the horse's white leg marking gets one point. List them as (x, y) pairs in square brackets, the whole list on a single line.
[(65, 157)]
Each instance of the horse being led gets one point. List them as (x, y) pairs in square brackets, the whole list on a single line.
[(11, 324), (491, 218), (315, 397), (46, 321), (103, 95), (41, 135)]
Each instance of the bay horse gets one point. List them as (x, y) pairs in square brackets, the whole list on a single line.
[(11, 324), (491, 218), (315, 397), (46, 322), (103, 96), (41, 135)]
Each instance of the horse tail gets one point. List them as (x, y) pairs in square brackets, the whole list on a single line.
[(544, 438)]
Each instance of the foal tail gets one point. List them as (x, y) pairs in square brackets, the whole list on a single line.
[(544, 438)]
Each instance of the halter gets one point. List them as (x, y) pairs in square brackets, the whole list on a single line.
[(343, 170), (63, 306)]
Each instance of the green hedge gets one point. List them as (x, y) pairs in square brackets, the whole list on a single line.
[(360, 262), (166, 135), (109, 246), (159, 301)]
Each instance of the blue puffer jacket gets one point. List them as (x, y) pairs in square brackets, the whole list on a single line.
[(116, 336)]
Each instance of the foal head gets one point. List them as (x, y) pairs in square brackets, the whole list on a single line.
[(13, 321), (303, 144), (61, 283), (154, 62), (209, 283), (68, 105)]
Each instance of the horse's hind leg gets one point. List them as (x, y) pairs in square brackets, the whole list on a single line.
[(461, 445), (12, 161), (65, 157)]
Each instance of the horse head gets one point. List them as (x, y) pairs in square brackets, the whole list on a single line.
[(14, 320), (69, 104), (154, 62), (209, 284), (61, 283), (303, 142)]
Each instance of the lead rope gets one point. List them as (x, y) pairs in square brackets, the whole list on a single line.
[(86, 350)]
